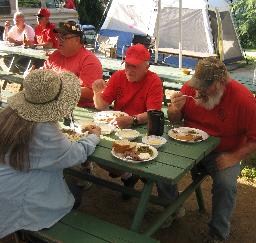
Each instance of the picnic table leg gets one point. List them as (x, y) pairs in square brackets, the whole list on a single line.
[(10, 66), (144, 198), (200, 199)]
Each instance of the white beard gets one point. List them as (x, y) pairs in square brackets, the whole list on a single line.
[(211, 101)]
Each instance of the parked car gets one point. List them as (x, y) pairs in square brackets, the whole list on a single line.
[(30, 8)]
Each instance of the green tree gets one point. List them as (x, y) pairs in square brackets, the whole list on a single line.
[(91, 11), (244, 12)]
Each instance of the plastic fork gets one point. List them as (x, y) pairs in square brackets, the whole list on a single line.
[(190, 96)]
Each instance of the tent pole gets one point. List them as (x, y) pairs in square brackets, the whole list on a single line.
[(17, 6), (157, 31), (180, 34)]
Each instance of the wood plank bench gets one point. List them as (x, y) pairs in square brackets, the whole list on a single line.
[(11, 77), (79, 227)]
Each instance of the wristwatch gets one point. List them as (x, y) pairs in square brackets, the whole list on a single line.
[(134, 121)]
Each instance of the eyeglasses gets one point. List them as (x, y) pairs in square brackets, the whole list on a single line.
[(64, 37)]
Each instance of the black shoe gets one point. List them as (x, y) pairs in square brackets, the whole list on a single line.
[(130, 183)]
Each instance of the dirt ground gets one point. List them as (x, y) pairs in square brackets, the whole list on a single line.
[(108, 205)]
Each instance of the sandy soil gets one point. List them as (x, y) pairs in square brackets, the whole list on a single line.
[(108, 205)]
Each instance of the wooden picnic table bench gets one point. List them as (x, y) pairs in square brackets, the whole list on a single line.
[(80, 227)]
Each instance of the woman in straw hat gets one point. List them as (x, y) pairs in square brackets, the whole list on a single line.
[(34, 152)]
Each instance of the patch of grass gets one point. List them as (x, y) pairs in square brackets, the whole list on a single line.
[(250, 50), (249, 168)]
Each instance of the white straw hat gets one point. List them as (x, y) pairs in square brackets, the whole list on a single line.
[(47, 96)]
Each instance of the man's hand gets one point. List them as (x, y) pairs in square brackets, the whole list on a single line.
[(177, 100), (124, 121), (98, 85), (7, 24), (226, 160)]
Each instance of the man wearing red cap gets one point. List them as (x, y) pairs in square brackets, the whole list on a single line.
[(44, 35), (134, 90)]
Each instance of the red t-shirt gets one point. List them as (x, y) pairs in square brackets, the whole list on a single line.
[(233, 119), (134, 97), (84, 65), (44, 35)]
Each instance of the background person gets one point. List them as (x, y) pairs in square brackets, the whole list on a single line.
[(34, 152), (16, 33), (225, 109), (134, 90), (44, 35), (74, 57)]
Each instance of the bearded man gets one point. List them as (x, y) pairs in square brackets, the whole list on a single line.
[(226, 109)]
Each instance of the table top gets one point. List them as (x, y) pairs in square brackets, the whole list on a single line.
[(6, 47), (174, 159)]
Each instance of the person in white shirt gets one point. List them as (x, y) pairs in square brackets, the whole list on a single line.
[(16, 33)]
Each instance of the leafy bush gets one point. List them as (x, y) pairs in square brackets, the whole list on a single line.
[(245, 19)]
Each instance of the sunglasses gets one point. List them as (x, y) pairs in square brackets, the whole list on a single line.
[(64, 37)]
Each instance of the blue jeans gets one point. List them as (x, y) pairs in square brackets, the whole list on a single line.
[(224, 190)]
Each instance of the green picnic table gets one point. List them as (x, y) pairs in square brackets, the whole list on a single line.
[(175, 160)]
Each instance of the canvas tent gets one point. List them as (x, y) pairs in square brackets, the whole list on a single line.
[(199, 24)]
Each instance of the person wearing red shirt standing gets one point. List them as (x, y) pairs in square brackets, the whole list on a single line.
[(134, 90), (74, 57), (226, 109), (44, 35)]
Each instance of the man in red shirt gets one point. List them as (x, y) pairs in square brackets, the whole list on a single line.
[(134, 90), (72, 56), (226, 109), (44, 35)]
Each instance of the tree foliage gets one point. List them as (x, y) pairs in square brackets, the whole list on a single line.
[(244, 12), (91, 11)]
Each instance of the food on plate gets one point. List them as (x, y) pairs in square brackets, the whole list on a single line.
[(122, 146), (127, 134), (131, 150), (71, 134), (108, 117), (188, 137), (88, 127)]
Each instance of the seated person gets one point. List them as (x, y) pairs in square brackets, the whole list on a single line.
[(34, 152), (44, 35), (223, 108), (74, 57), (134, 90), (20, 33)]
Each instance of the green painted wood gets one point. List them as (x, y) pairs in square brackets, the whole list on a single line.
[(104, 230), (11, 77), (140, 212), (65, 234), (158, 169)]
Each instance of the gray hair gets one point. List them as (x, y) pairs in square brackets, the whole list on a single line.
[(18, 14)]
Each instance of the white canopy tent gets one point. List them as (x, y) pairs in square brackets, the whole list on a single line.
[(196, 30)]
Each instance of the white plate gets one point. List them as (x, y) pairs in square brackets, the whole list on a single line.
[(107, 116), (105, 128), (128, 134), (180, 134), (119, 156), (155, 141)]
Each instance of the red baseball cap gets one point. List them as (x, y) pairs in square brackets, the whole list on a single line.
[(137, 54), (43, 12)]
